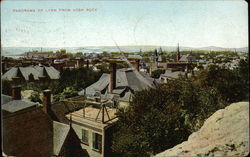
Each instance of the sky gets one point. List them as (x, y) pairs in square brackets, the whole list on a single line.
[(104, 23)]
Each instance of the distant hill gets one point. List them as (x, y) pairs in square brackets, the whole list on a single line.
[(9, 51), (214, 48)]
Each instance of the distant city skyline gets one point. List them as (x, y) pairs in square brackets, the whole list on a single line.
[(166, 23)]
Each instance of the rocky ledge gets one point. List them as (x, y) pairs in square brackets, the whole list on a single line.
[(225, 133)]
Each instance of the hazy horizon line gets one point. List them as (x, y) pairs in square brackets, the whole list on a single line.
[(116, 46)]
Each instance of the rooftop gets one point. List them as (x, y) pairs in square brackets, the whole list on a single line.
[(12, 106), (36, 71), (93, 116), (60, 132), (126, 77)]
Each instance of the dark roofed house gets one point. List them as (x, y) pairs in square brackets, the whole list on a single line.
[(32, 73), (128, 80), (29, 131)]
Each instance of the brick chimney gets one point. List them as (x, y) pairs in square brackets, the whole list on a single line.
[(138, 64), (112, 81), (87, 64), (47, 100), (16, 92), (16, 80)]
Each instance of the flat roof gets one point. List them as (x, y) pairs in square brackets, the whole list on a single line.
[(18, 105), (91, 118)]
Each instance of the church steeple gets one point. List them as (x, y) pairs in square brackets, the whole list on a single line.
[(160, 55), (178, 55)]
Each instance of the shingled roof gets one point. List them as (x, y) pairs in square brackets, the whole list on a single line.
[(36, 71), (125, 78)]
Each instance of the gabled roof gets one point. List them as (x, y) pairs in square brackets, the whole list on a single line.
[(26, 71), (36, 71), (10, 73), (52, 72), (60, 132), (126, 77)]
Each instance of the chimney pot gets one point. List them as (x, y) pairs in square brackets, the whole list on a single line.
[(16, 92)]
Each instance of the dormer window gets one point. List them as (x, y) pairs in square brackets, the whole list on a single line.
[(31, 77)]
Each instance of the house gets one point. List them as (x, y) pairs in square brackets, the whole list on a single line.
[(187, 58), (135, 60), (122, 82), (28, 129), (41, 54), (92, 122), (169, 74), (182, 62), (94, 126), (32, 73)]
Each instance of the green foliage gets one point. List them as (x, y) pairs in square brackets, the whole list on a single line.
[(146, 59), (35, 97), (104, 67), (67, 93), (244, 74), (161, 117), (227, 82), (71, 81), (157, 73), (76, 78)]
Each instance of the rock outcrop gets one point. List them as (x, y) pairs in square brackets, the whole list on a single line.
[(225, 133)]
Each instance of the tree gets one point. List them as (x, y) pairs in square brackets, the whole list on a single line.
[(244, 74), (228, 82), (139, 134), (159, 118), (35, 97), (74, 80), (157, 73)]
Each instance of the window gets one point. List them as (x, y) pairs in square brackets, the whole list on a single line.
[(97, 142), (85, 136)]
